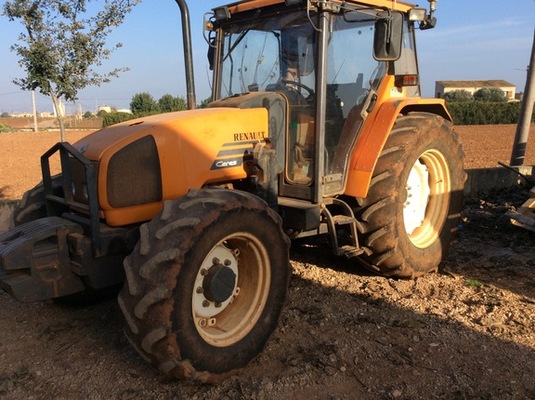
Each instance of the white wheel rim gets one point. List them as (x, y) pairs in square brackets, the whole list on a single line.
[(417, 190), (428, 191), (228, 322)]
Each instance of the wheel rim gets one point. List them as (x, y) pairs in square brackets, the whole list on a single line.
[(426, 204), (231, 289)]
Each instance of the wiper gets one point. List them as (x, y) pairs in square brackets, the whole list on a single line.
[(236, 43), (242, 35)]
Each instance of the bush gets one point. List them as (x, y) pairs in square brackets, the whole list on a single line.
[(484, 113), (458, 96), (5, 128), (115, 118), (144, 104), (491, 95)]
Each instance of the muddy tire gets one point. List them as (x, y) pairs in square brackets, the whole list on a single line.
[(206, 284), (32, 205), (415, 198)]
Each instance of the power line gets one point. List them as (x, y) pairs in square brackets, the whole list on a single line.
[(7, 94)]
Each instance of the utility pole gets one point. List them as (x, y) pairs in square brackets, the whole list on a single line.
[(34, 112), (526, 111)]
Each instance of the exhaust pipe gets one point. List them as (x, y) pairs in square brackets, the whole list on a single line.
[(188, 55)]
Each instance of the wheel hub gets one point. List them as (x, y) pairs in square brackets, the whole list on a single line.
[(219, 283), (216, 284)]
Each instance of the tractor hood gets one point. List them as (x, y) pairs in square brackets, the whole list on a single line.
[(145, 161)]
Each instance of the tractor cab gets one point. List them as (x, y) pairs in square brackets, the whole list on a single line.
[(318, 71)]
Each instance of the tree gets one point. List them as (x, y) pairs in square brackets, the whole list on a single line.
[(168, 103), (62, 43), (101, 113), (492, 94), (460, 96), (205, 102), (144, 104)]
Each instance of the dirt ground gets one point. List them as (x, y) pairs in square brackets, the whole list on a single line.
[(467, 332)]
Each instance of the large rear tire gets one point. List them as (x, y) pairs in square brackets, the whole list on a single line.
[(206, 284), (415, 197)]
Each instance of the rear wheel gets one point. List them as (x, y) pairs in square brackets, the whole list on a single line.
[(206, 284), (415, 197)]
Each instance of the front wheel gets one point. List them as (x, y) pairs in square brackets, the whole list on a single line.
[(415, 197), (206, 284)]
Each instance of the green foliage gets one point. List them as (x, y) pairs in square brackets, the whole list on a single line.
[(473, 283), (491, 95), (143, 104), (63, 42), (168, 103), (101, 113), (485, 113), (115, 118), (205, 102), (458, 96), (5, 128), (5, 115)]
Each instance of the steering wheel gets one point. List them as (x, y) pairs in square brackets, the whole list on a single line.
[(299, 84)]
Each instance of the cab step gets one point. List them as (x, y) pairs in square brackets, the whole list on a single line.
[(347, 220)]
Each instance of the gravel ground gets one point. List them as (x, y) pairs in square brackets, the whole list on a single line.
[(467, 332)]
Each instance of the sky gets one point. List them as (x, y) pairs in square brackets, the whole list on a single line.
[(473, 40)]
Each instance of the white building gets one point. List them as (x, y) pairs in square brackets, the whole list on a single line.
[(442, 87)]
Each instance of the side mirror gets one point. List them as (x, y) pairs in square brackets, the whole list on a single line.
[(388, 36)]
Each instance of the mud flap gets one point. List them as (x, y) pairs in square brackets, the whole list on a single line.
[(35, 261)]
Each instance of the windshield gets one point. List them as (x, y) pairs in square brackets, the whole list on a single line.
[(260, 54)]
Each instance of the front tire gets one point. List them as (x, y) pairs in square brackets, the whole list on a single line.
[(206, 284), (415, 197)]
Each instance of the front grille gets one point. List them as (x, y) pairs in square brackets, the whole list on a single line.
[(134, 174)]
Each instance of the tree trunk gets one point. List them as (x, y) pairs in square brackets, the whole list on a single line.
[(59, 115)]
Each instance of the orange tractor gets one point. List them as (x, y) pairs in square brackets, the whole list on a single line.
[(317, 127)]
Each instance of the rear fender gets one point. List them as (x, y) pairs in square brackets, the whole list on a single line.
[(374, 134)]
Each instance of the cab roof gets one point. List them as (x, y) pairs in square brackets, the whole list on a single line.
[(247, 5)]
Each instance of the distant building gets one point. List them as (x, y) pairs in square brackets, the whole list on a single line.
[(107, 109), (442, 87)]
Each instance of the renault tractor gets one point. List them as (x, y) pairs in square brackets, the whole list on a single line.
[(317, 127)]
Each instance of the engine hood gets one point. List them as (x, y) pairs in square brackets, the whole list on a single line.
[(184, 150)]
